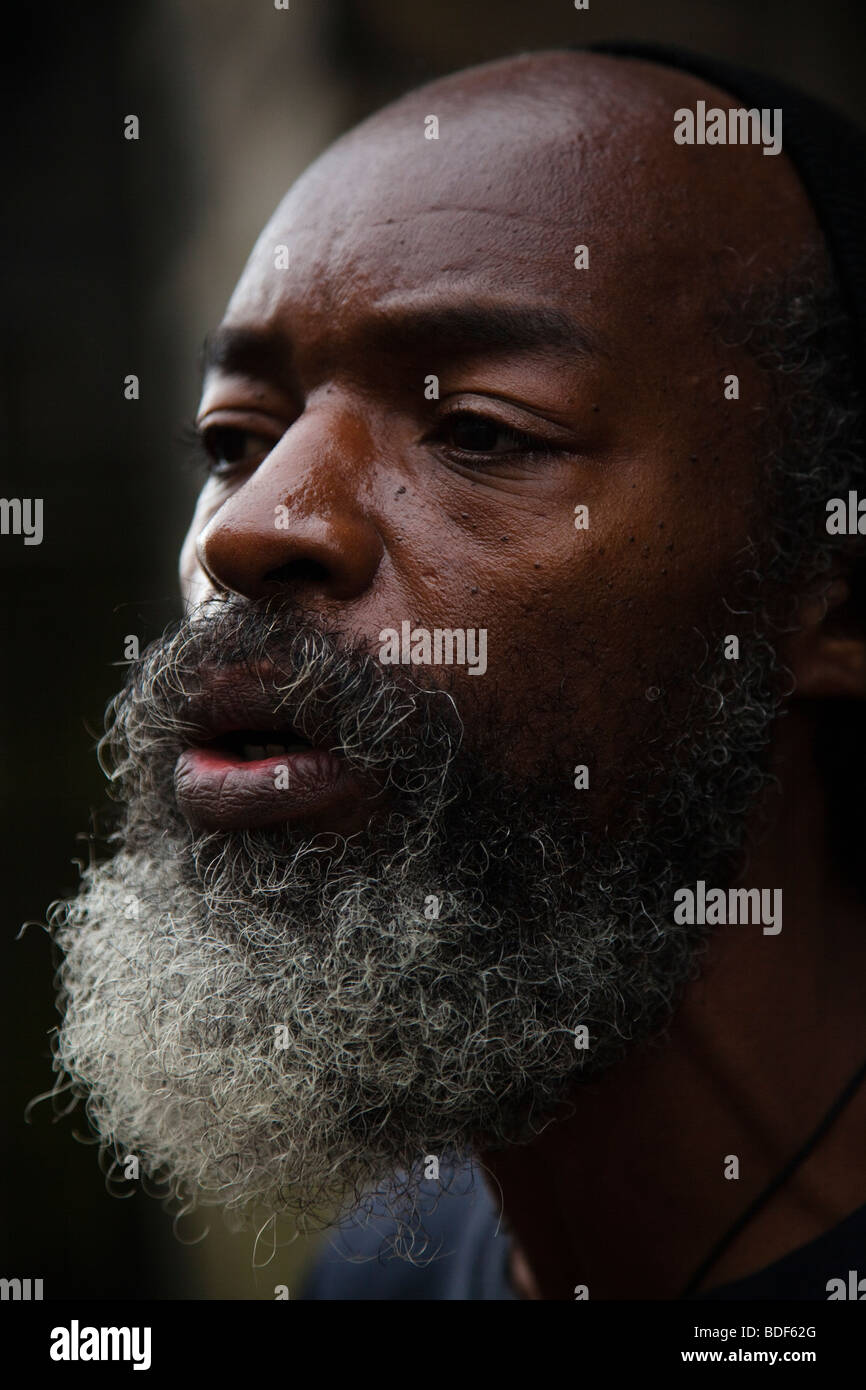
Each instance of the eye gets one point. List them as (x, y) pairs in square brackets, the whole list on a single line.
[(227, 449), (470, 435)]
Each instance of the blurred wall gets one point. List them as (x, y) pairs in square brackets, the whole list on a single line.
[(119, 256)]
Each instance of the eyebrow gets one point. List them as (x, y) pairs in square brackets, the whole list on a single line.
[(466, 329), (246, 351), (489, 325)]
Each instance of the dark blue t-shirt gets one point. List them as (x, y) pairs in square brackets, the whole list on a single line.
[(464, 1255)]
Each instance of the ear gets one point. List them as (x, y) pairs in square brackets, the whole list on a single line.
[(827, 653)]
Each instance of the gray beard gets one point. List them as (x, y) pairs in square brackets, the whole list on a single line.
[(408, 1034)]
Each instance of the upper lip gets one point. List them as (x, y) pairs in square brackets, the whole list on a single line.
[(235, 698)]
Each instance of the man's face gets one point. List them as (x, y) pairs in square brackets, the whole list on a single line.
[(339, 483), (430, 923)]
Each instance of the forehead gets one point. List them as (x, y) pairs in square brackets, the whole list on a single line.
[(523, 171), (390, 212)]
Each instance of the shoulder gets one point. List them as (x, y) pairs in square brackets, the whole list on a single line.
[(452, 1246)]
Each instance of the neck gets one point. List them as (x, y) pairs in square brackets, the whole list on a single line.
[(626, 1191)]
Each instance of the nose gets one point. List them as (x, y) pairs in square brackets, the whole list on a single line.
[(297, 524)]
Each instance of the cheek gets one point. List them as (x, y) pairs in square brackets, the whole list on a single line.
[(581, 638)]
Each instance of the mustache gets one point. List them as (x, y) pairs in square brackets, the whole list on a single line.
[(238, 664)]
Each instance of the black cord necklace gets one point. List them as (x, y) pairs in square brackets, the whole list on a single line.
[(778, 1181)]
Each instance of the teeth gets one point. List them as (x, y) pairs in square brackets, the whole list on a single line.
[(254, 752)]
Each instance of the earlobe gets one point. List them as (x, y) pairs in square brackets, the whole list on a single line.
[(827, 654), (835, 669)]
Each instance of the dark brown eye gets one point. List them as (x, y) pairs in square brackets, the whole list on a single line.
[(475, 434), (228, 448), (466, 433)]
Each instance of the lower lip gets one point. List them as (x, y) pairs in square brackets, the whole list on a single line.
[(218, 791)]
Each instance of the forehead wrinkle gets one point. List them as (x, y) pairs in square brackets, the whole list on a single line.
[(506, 214)]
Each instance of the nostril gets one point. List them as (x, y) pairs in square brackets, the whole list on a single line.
[(300, 571), (244, 552)]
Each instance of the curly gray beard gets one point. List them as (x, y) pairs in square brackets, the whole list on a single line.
[(409, 1034)]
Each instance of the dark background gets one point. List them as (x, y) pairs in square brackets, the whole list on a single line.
[(120, 256)]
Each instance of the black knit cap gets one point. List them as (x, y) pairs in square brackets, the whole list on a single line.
[(827, 150)]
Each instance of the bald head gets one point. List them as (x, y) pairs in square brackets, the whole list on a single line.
[(534, 155)]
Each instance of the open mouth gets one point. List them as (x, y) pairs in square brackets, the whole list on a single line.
[(254, 745), (247, 778), (247, 766)]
